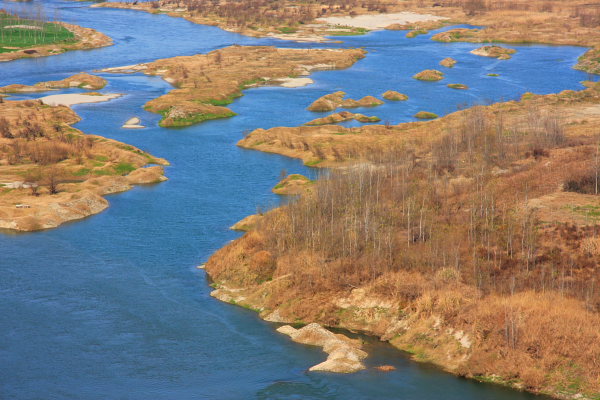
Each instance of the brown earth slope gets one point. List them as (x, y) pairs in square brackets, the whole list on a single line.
[(51, 173)]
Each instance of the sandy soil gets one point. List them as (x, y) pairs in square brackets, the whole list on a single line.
[(380, 21), (74, 98), (294, 82)]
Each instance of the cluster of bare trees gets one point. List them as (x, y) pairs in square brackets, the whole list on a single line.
[(442, 210), (29, 143), (587, 13)]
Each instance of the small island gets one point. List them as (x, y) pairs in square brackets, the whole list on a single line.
[(459, 86), (429, 75), (426, 115), (332, 101), (342, 117), (448, 62), (392, 95), (499, 52)]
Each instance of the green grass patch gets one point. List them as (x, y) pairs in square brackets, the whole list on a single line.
[(313, 162), (589, 211), (103, 172), (82, 172), (23, 33), (287, 29), (123, 168), (194, 119)]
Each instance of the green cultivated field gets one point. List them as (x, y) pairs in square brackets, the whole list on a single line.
[(17, 33)]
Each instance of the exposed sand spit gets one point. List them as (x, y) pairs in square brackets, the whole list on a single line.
[(73, 98)]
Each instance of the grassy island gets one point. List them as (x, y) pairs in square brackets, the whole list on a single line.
[(429, 75)]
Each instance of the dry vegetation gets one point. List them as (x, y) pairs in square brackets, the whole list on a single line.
[(332, 101), (206, 83), (471, 241), (262, 17), (574, 22), (51, 173)]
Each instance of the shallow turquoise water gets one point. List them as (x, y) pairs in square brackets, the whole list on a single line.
[(112, 307)]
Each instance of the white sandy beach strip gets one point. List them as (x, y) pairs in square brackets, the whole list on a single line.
[(73, 98), (294, 82), (380, 21)]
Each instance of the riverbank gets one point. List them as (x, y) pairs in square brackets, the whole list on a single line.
[(206, 83), (516, 22), (449, 249), (311, 23), (52, 173)]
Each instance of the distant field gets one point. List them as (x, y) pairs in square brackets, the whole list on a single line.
[(17, 33)]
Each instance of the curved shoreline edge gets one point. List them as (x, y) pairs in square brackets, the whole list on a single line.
[(245, 272)]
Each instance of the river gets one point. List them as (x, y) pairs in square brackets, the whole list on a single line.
[(112, 307)]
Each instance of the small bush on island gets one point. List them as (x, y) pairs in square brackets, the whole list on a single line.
[(426, 115), (392, 95), (429, 75), (457, 86)]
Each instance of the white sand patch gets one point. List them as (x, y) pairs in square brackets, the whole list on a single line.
[(294, 82), (133, 123), (73, 98), (126, 69), (380, 21), (299, 37)]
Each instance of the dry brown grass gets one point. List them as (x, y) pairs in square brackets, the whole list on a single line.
[(437, 224), (72, 170)]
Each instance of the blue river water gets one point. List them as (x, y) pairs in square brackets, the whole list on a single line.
[(112, 307)]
